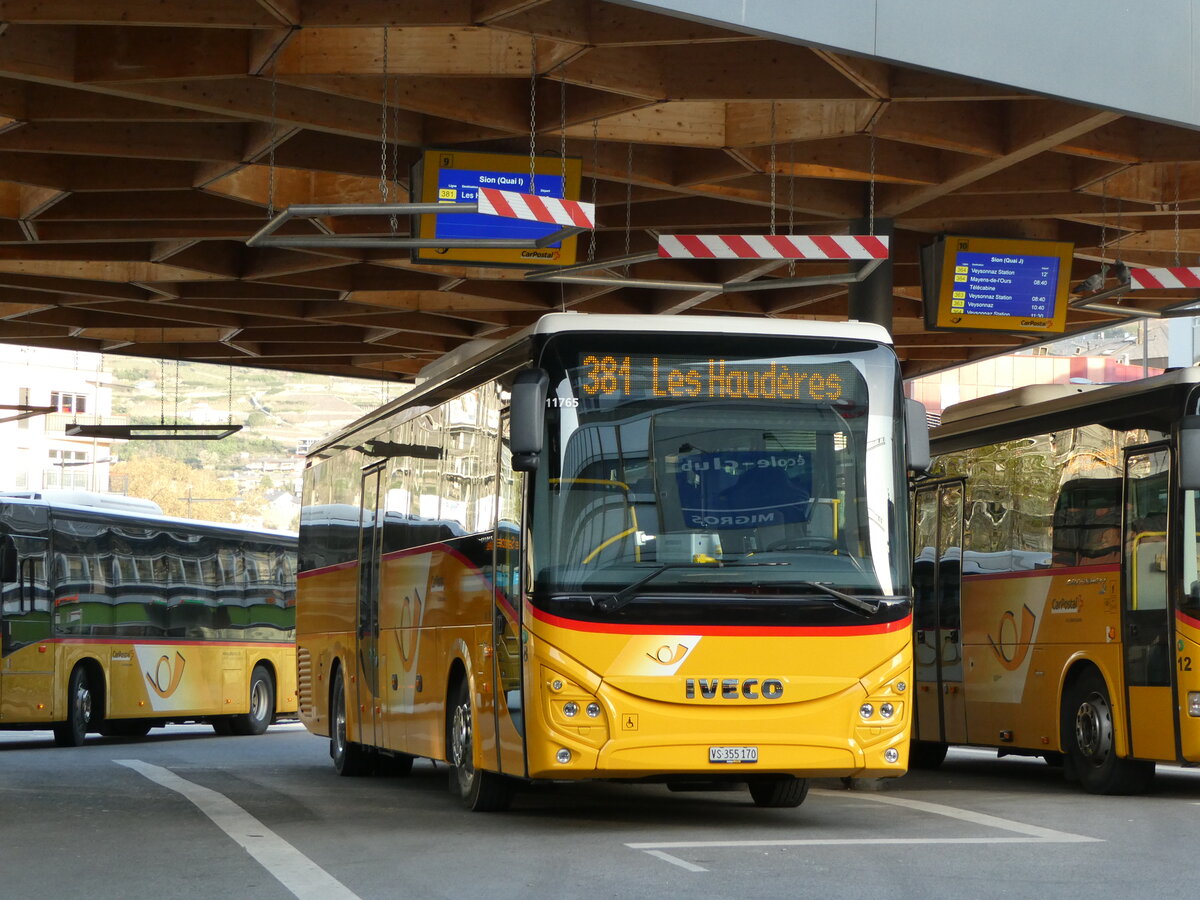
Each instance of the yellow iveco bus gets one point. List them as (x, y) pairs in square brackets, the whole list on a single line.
[(619, 547), (1057, 601), (115, 618)]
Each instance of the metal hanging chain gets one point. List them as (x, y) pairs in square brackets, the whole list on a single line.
[(394, 220), (1177, 257), (591, 254), (1103, 220), (562, 131), (229, 409), (628, 195), (772, 167), (176, 392), (871, 188), (383, 125), (162, 379), (274, 140), (533, 74), (791, 201)]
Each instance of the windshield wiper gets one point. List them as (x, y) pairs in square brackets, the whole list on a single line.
[(627, 593), (856, 604)]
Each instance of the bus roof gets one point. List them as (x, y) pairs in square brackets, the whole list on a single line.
[(133, 510), (1153, 403)]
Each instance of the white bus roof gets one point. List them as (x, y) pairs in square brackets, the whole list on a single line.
[(563, 322)]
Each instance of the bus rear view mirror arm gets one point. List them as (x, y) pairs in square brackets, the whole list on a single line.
[(528, 418), (1189, 453), (917, 426)]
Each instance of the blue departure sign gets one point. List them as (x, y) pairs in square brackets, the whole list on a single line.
[(455, 176), (462, 186), (996, 284)]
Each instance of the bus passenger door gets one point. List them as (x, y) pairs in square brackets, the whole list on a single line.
[(507, 578), (370, 541), (1145, 614), (26, 659), (937, 577)]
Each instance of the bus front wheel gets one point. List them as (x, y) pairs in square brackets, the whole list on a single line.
[(782, 792), (1088, 740), (479, 791), (262, 704), (348, 758), (82, 715)]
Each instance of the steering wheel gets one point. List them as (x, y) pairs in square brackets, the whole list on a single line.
[(810, 542)]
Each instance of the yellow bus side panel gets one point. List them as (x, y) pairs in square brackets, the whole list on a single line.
[(1012, 685), (1187, 671)]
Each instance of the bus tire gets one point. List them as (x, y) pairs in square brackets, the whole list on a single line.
[(82, 715), (1087, 725), (479, 791), (349, 759), (782, 792), (262, 704), (926, 754)]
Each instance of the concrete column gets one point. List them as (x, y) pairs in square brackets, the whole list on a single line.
[(871, 300)]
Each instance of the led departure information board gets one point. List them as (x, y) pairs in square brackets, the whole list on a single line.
[(453, 176), (602, 379), (996, 284)]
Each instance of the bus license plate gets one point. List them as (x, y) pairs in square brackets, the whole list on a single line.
[(733, 754)]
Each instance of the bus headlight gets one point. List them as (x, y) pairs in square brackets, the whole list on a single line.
[(563, 755), (886, 710), (592, 710), (1194, 703), (866, 710), (570, 709)]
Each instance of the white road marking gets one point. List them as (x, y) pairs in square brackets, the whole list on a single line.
[(1029, 834), (675, 860), (295, 871), (966, 815)]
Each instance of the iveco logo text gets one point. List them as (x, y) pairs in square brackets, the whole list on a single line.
[(733, 688)]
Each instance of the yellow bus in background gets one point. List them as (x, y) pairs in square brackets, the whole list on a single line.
[(1057, 601), (115, 619), (619, 547)]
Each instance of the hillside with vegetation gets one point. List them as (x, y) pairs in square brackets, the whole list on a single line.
[(251, 477)]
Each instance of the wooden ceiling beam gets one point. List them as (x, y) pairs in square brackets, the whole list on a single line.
[(430, 51), (221, 14), (1033, 128), (119, 54), (153, 140)]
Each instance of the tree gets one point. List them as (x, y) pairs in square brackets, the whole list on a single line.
[(179, 489)]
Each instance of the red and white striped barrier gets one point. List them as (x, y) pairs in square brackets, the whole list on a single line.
[(512, 205), (1175, 277), (773, 246)]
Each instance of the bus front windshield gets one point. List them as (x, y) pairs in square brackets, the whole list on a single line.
[(751, 467)]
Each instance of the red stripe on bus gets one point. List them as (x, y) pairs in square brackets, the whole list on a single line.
[(1187, 620), (1042, 573), (309, 573), (726, 630), (140, 642)]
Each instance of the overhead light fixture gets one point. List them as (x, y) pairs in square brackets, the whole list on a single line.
[(174, 432)]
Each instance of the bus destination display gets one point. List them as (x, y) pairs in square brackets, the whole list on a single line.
[(993, 284), (607, 380)]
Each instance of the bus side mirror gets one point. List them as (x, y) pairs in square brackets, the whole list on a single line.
[(527, 418), (1189, 453), (916, 427)]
